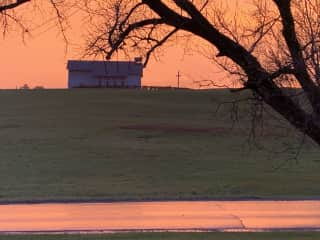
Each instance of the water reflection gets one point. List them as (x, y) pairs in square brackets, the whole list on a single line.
[(186, 216)]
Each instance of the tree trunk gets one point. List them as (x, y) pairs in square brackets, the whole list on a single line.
[(286, 107)]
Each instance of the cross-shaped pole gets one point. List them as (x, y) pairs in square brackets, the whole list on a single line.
[(178, 78)]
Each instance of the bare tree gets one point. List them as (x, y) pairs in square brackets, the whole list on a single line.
[(6, 5), (7, 14), (27, 15), (280, 45)]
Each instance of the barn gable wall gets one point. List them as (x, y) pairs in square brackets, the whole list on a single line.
[(104, 74)]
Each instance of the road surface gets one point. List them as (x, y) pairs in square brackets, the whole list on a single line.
[(158, 216)]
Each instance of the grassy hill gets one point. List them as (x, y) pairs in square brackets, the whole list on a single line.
[(94, 144)]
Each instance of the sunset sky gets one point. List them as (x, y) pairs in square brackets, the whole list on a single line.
[(41, 60)]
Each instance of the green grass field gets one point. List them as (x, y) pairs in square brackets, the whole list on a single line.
[(122, 144), (172, 236)]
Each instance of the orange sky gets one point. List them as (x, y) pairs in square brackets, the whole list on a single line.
[(42, 59)]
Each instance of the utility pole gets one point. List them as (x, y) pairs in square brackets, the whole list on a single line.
[(178, 78)]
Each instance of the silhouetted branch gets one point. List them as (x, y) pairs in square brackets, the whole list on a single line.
[(268, 56), (7, 5)]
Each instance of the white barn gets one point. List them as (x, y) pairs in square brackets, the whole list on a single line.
[(105, 74)]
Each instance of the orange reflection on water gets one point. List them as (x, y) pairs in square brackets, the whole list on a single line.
[(212, 215)]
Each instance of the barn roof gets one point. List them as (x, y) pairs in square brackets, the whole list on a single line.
[(106, 68)]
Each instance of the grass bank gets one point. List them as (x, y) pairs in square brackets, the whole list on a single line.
[(172, 236), (121, 144)]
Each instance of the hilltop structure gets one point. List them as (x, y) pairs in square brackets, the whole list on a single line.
[(105, 74)]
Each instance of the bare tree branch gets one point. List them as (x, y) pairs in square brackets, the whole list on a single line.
[(11, 5), (270, 55), (301, 73)]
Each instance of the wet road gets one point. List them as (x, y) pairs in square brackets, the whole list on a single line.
[(212, 215)]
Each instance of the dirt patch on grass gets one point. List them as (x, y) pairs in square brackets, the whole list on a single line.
[(179, 129), (209, 130), (9, 126)]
